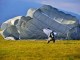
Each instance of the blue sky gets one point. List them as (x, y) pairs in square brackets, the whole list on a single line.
[(12, 8), (68, 5)]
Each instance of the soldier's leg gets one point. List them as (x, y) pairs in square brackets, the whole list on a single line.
[(53, 40), (49, 39)]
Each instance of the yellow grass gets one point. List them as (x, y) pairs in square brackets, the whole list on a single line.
[(39, 50)]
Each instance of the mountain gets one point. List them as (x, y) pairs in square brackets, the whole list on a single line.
[(74, 14), (30, 26)]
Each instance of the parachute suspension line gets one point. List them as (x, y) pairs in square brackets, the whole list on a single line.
[(42, 22), (66, 26), (34, 25), (30, 30), (49, 17), (45, 23), (37, 28), (27, 30), (52, 18), (70, 31)]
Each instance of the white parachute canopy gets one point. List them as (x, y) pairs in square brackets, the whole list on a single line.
[(48, 31)]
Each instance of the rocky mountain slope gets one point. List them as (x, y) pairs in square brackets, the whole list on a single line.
[(30, 26)]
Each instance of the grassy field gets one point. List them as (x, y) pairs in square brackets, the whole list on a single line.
[(39, 50)]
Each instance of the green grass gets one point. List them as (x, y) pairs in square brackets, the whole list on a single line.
[(39, 50)]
